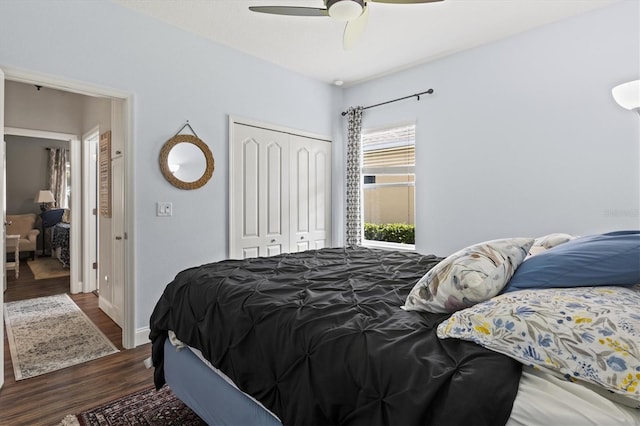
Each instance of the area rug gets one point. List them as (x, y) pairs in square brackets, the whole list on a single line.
[(146, 407), (47, 267), (50, 333)]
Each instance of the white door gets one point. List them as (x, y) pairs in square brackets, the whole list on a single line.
[(310, 209), (112, 237), (117, 271), (89, 210), (119, 234), (3, 209), (259, 192)]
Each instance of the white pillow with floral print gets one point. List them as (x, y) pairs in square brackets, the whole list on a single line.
[(552, 240), (469, 276), (588, 334), (546, 242)]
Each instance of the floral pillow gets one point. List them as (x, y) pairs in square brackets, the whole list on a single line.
[(546, 242), (469, 276), (552, 240), (588, 334)]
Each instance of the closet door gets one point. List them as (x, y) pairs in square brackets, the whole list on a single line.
[(310, 193), (259, 193)]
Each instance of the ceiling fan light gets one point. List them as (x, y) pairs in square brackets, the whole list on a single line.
[(627, 95), (345, 10)]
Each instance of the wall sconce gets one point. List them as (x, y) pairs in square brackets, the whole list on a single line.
[(44, 197), (627, 95)]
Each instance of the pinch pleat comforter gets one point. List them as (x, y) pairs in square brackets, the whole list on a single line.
[(319, 337)]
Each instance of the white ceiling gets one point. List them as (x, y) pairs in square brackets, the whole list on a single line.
[(397, 36)]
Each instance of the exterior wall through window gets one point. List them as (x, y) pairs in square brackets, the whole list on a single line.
[(388, 173)]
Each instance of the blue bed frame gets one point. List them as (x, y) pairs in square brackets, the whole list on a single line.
[(209, 395)]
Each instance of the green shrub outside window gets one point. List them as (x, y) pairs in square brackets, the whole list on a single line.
[(390, 232)]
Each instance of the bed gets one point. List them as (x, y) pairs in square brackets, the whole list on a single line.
[(329, 337)]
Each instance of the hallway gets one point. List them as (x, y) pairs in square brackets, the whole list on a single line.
[(45, 400)]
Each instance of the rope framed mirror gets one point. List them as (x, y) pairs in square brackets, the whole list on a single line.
[(186, 162)]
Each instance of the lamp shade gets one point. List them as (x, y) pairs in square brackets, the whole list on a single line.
[(627, 95), (44, 197)]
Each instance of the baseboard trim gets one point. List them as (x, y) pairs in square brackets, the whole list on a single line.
[(142, 336)]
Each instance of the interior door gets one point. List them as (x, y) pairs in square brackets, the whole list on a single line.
[(259, 192), (310, 214), (3, 209), (117, 256)]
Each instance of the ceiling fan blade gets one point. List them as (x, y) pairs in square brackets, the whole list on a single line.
[(354, 29), (404, 1), (290, 10)]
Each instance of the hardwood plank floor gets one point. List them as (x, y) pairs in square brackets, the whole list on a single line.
[(47, 399)]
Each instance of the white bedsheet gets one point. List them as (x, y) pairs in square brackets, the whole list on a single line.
[(544, 399)]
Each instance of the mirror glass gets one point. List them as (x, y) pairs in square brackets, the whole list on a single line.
[(186, 162)]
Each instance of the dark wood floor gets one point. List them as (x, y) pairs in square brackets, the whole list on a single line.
[(47, 399)]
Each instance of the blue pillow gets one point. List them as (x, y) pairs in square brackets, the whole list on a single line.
[(602, 259)]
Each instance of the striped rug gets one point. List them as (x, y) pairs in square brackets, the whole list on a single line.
[(50, 333)]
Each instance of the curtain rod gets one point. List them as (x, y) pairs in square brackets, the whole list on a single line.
[(415, 95)]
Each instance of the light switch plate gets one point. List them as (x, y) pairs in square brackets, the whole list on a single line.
[(164, 208)]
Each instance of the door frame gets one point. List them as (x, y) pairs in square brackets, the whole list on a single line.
[(75, 207), (127, 99)]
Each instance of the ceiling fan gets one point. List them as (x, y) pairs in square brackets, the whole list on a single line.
[(354, 12)]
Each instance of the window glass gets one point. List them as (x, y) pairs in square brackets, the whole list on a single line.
[(66, 201), (388, 176)]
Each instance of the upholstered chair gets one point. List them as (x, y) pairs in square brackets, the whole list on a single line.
[(24, 225)]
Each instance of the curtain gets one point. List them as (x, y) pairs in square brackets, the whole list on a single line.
[(58, 179), (354, 222)]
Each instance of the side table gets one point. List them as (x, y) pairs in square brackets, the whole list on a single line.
[(13, 245)]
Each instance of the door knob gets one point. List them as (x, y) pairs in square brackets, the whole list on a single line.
[(118, 238)]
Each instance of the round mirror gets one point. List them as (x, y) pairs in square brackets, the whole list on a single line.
[(186, 162)]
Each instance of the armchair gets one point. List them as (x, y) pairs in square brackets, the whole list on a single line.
[(24, 225)]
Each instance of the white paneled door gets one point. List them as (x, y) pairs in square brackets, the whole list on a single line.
[(258, 222), (310, 186), (279, 186)]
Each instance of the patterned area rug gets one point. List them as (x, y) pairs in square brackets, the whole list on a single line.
[(47, 267), (147, 407), (50, 333)]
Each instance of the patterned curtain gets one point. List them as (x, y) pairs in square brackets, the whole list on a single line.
[(353, 223), (58, 180)]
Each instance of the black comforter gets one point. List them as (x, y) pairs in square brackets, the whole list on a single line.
[(319, 338)]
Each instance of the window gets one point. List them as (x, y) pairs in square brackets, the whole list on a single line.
[(66, 203), (388, 188)]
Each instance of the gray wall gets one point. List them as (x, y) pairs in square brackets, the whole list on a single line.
[(48, 109), (522, 136), (27, 171)]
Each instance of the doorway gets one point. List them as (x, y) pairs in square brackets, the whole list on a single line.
[(45, 140), (78, 282)]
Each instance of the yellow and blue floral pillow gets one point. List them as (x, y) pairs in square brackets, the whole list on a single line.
[(589, 334), (469, 276)]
